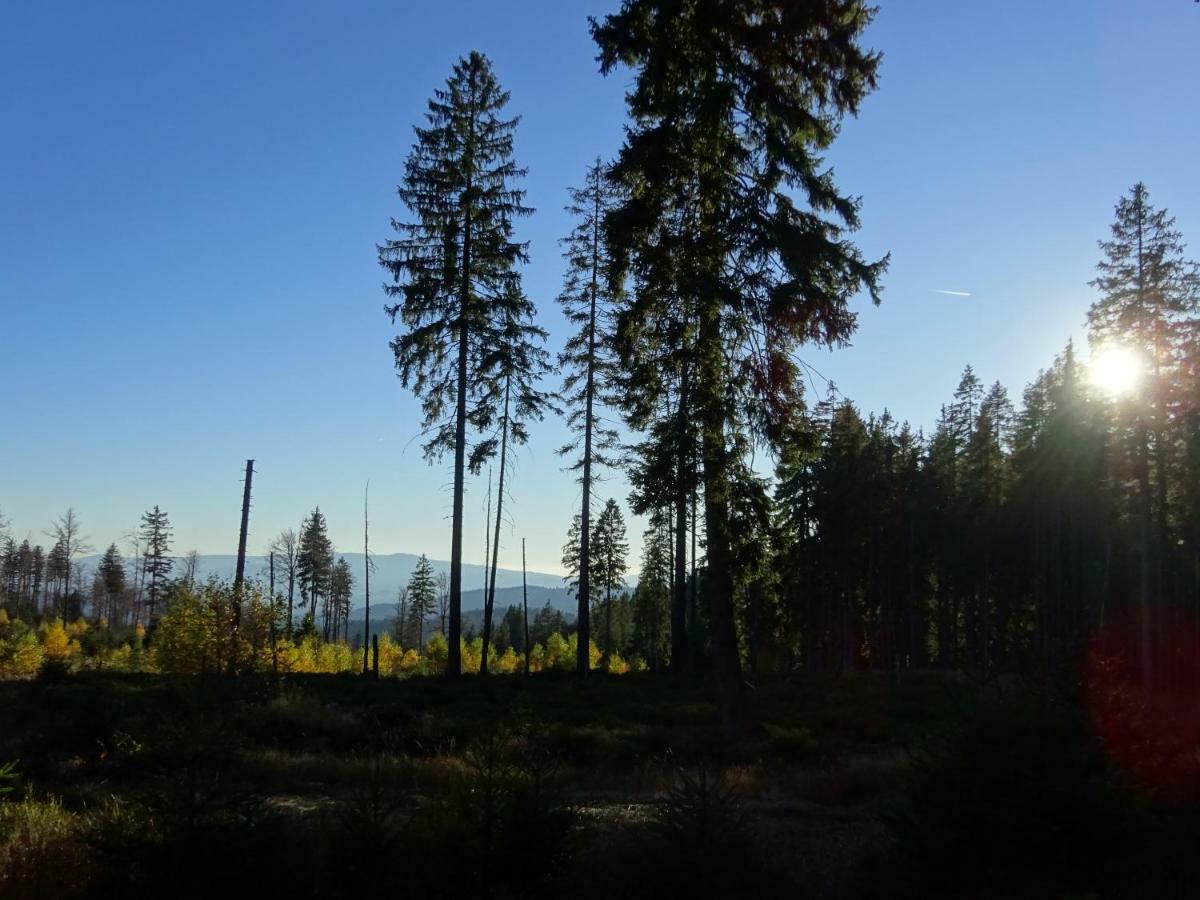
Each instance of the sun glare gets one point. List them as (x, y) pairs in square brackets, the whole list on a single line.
[(1115, 370)]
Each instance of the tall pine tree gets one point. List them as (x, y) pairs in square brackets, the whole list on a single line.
[(513, 365), (1148, 292), (449, 266), (587, 299), (731, 105), (156, 564), (609, 559)]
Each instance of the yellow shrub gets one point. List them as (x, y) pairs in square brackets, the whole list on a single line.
[(537, 658), (558, 653), (390, 655), (437, 652), (472, 653), (298, 658), (20, 657), (616, 665), (332, 658), (56, 643), (508, 662)]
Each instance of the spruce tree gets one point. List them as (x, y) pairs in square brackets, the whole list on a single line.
[(1148, 294), (587, 300), (156, 564), (449, 266), (314, 560), (337, 609), (609, 555), (112, 580), (731, 106), (422, 599), (650, 598), (572, 563)]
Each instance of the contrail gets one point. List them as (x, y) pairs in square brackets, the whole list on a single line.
[(954, 293)]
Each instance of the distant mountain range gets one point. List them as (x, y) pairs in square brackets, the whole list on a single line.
[(383, 616), (391, 573)]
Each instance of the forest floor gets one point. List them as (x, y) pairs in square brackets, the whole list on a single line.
[(863, 786)]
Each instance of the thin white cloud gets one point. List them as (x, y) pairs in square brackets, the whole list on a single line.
[(954, 293)]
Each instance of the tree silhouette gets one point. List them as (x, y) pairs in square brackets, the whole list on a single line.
[(449, 266), (730, 106)]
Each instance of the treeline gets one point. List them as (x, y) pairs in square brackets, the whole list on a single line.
[(1007, 537), (128, 592), (211, 628)]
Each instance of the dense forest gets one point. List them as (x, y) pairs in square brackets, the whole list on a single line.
[(1049, 540)]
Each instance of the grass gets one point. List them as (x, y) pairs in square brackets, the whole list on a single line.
[(863, 784)]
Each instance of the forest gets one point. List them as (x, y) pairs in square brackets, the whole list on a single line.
[(856, 657)]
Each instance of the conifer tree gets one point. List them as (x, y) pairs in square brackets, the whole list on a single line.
[(422, 599), (731, 106), (587, 299), (112, 579), (337, 607), (572, 563), (650, 596), (548, 621), (609, 555), (449, 266), (1148, 294), (156, 564), (314, 560)]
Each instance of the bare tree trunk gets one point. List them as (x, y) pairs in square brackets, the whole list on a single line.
[(525, 603), (491, 593), (366, 577), (240, 573), (271, 620)]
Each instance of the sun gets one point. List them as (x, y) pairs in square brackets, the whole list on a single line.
[(1116, 370)]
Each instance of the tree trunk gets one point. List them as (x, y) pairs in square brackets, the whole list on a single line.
[(271, 620), (679, 601), (366, 578), (525, 604), (491, 594), (693, 611), (454, 650), (583, 622), (733, 702)]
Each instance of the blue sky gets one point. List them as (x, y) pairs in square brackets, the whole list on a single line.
[(191, 195)]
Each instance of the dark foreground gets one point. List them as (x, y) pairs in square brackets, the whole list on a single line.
[(863, 786)]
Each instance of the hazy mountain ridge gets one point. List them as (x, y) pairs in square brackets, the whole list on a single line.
[(391, 573), (383, 615)]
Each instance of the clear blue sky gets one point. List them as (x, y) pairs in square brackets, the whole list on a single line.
[(191, 194)]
